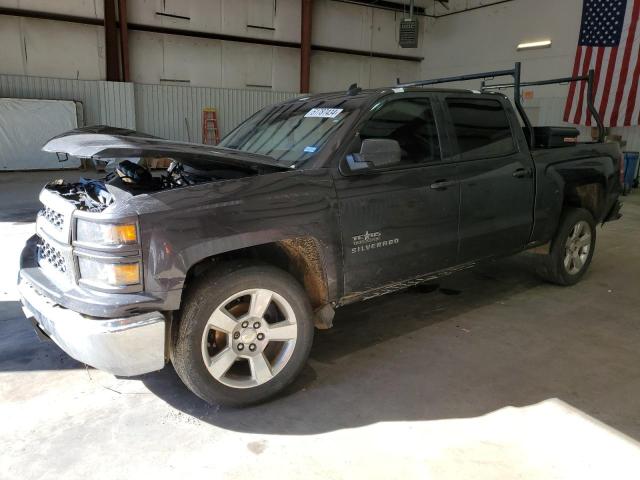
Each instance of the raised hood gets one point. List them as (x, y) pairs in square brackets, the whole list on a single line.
[(104, 142)]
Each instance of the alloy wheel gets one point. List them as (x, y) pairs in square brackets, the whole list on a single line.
[(249, 338), (577, 247)]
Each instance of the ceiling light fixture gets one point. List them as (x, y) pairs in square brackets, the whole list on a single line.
[(532, 45)]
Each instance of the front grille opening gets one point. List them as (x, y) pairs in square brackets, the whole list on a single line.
[(50, 256), (54, 218)]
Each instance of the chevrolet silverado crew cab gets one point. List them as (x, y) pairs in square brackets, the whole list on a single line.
[(224, 264)]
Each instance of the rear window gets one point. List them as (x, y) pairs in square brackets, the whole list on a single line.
[(481, 127)]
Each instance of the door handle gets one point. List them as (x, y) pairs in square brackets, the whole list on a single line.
[(522, 173), (442, 184)]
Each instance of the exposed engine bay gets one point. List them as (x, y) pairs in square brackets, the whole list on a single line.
[(139, 178), (88, 195), (128, 178), (191, 164)]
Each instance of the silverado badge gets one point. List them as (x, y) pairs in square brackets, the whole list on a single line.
[(371, 240)]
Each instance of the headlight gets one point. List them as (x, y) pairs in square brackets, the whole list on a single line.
[(109, 274), (106, 233)]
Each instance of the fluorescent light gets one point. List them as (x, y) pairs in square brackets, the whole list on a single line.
[(530, 45)]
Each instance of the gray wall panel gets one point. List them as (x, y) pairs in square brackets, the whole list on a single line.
[(162, 109), (165, 110), (109, 103), (168, 111)]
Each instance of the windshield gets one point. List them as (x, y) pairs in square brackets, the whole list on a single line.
[(289, 133)]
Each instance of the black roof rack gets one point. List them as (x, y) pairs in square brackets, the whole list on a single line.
[(516, 85)]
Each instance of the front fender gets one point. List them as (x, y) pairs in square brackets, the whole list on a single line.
[(211, 220)]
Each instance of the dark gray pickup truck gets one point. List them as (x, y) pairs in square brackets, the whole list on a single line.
[(224, 264)]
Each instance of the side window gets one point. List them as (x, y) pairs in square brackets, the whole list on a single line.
[(481, 127), (411, 123)]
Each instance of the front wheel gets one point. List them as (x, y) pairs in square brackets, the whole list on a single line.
[(244, 334), (572, 248)]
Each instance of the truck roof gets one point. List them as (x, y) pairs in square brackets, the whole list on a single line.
[(364, 95)]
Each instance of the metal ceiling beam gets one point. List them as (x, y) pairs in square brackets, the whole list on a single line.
[(388, 5), (420, 11), (473, 8), (16, 12)]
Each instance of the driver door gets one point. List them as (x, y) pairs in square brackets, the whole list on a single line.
[(399, 221)]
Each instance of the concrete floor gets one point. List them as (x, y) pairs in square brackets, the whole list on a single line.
[(490, 374)]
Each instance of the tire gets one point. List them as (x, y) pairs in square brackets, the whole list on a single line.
[(238, 306), (572, 248)]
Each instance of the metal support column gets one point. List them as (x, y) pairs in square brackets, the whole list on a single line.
[(111, 41), (305, 45), (124, 39)]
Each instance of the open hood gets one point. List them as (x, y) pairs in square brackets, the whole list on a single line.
[(104, 142)]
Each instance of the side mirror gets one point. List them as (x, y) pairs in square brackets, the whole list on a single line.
[(375, 153)]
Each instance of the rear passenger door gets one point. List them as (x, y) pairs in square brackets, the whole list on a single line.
[(496, 177)]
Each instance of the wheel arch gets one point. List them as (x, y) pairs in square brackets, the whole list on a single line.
[(301, 256), (584, 184), (589, 195)]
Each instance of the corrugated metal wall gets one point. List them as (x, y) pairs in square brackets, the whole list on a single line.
[(175, 112), (117, 105), (108, 103), (168, 111)]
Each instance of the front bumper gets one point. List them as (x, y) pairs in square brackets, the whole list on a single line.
[(124, 346)]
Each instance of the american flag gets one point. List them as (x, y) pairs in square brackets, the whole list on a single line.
[(610, 44)]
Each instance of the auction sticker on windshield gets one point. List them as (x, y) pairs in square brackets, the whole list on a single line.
[(323, 113)]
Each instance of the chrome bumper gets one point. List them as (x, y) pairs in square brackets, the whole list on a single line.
[(122, 346)]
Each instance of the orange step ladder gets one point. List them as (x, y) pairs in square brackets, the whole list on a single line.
[(210, 131)]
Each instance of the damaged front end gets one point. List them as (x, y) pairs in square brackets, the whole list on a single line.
[(81, 284), (82, 279), (129, 154), (86, 195), (88, 236)]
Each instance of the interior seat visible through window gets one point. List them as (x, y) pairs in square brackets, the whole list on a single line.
[(409, 121)]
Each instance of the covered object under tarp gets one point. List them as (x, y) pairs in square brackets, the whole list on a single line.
[(26, 125)]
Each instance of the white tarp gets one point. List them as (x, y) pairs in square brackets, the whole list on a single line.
[(26, 125)]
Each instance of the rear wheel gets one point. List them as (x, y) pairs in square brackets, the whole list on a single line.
[(244, 334), (572, 248)]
